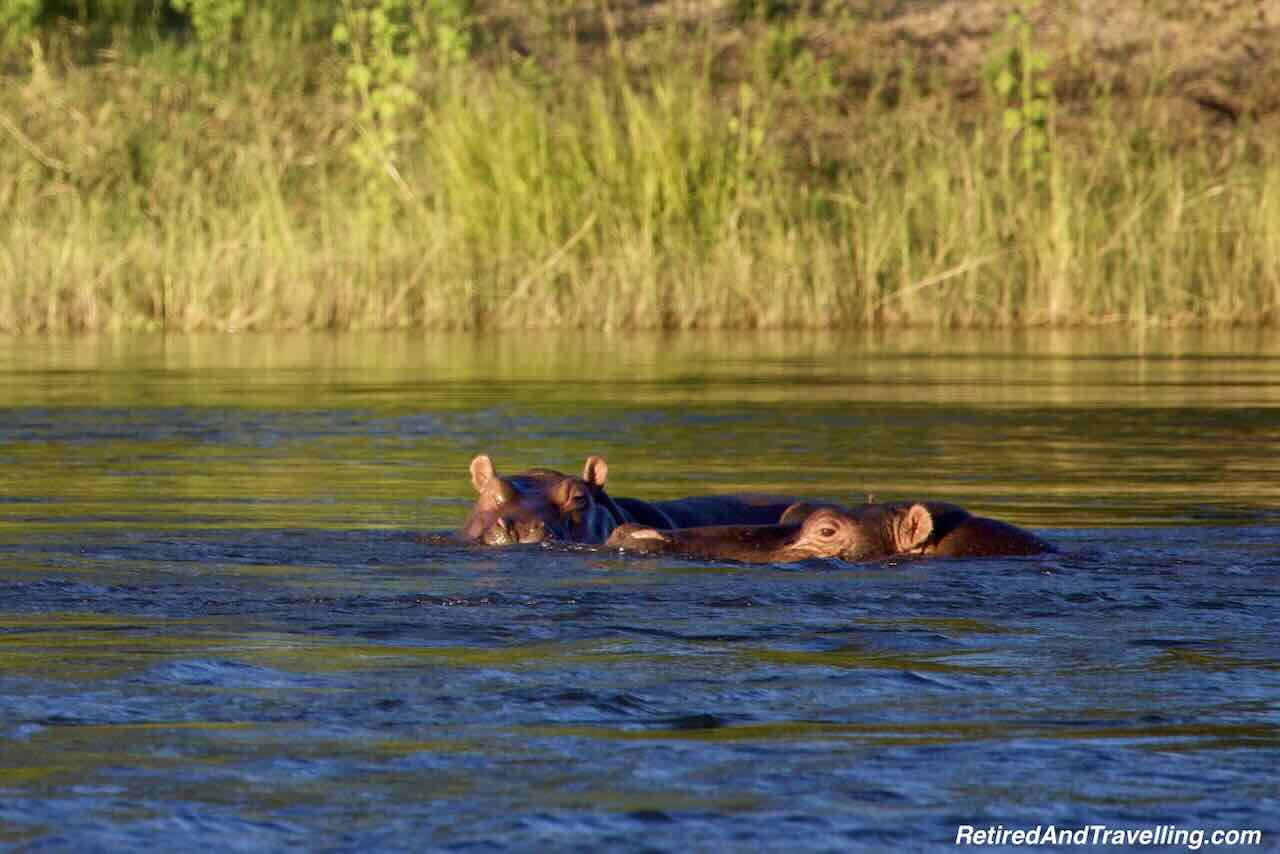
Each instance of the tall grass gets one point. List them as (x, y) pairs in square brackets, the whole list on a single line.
[(142, 193)]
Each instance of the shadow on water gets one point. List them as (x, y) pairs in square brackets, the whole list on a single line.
[(217, 620)]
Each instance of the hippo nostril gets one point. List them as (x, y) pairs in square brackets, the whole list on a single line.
[(533, 532)]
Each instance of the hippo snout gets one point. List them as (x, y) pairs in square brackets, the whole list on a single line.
[(635, 537), (506, 532)]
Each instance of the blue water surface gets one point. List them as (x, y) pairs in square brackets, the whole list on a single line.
[(220, 630)]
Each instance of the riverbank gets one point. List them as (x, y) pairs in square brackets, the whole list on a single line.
[(667, 165)]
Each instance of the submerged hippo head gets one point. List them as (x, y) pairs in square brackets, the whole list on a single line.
[(540, 504), (869, 532), (883, 530), (806, 531), (821, 532)]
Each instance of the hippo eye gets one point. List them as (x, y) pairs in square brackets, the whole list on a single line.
[(827, 531)]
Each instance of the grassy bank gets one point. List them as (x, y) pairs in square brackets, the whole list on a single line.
[(480, 167)]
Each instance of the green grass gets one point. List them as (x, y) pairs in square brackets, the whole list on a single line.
[(642, 182)]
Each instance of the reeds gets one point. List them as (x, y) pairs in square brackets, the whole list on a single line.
[(138, 193)]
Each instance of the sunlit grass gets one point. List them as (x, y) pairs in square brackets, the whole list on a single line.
[(612, 194)]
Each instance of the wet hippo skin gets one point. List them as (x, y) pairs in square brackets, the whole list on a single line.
[(869, 532), (544, 504)]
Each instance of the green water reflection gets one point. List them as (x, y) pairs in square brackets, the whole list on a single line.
[(1050, 429), (1162, 737)]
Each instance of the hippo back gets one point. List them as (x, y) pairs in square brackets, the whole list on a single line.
[(978, 536), (742, 509)]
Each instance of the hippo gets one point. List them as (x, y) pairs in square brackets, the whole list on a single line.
[(869, 532), (543, 504)]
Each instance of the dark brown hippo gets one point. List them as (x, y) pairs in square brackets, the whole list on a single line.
[(870, 532), (544, 504)]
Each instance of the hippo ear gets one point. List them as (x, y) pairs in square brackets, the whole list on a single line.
[(912, 528), (482, 472), (595, 471)]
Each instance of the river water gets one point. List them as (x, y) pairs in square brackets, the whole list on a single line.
[(218, 631)]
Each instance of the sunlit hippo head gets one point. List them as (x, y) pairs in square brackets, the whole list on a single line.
[(865, 533), (876, 531), (540, 504), (807, 530)]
